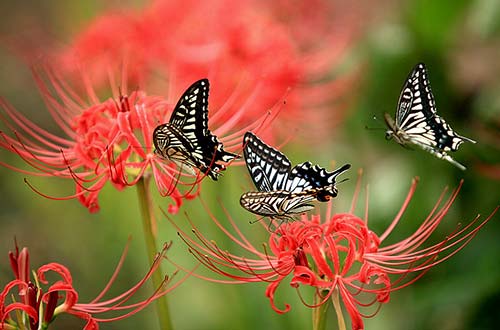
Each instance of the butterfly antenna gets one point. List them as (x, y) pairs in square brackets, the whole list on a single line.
[(173, 183), (342, 181), (256, 220), (271, 115), (283, 219), (377, 119), (376, 128), (269, 226)]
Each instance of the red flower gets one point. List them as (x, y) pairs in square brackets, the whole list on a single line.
[(250, 54), (40, 302), (105, 141), (250, 57), (337, 255)]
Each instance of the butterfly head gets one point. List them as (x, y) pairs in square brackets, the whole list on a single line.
[(389, 135), (393, 131), (391, 126), (326, 194)]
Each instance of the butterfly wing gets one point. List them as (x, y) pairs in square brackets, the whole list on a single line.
[(186, 137), (271, 170), (283, 190), (416, 108), (268, 168), (416, 116), (315, 179), (179, 139), (190, 114), (277, 204), (416, 101)]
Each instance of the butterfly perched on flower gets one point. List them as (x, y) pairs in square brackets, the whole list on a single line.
[(283, 190), (417, 122), (186, 138)]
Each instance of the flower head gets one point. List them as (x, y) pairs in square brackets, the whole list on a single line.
[(105, 141), (38, 302), (338, 254)]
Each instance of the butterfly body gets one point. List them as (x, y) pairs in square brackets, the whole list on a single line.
[(417, 122), (186, 139), (283, 190)]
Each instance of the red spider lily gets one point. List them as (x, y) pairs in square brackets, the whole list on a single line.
[(338, 255), (37, 303), (105, 141), (243, 47)]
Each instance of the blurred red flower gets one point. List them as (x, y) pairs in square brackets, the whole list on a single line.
[(337, 255), (252, 51), (37, 303)]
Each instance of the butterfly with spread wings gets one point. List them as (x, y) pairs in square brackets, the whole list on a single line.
[(417, 122), (283, 190), (186, 138)]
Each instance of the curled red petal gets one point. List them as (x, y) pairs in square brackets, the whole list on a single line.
[(57, 268), (270, 291)]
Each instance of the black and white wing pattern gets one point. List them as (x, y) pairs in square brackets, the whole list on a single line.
[(417, 122), (283, 190), (186, 138)]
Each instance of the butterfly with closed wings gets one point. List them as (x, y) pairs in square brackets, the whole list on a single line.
[(186, 138), (283, 190), (417, 122)]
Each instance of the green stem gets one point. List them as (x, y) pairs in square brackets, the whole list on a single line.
[(338, 309), (319, 315), (146, 203)]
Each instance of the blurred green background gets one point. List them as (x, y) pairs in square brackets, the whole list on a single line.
[(459, 42)]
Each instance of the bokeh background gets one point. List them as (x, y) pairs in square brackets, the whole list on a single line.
[(459, 42)]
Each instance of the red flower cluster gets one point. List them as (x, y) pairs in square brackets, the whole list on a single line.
[(337, 255), (37, 303), (106, 141), (250, 55)]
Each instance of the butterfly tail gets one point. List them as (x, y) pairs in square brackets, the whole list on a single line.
[(226, 156), (454, 162), (337, 172), (467, 139)]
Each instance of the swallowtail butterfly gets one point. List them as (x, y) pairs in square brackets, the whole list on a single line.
[(283, 190), (186, 138), (417, 122)]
